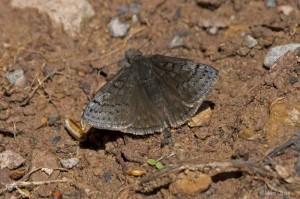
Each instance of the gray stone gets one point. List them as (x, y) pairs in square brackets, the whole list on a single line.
[(10, 160), (276, 52), (69, 13), (177, 41), (69, 163), (117, 28), (16, 77), (251, 42), (271, 3)]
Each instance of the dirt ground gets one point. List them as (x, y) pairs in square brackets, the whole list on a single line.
[(254, 109)]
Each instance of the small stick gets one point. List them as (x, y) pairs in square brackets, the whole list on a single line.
[(26, 101), (122, 43), (248, 167), (23, 184)]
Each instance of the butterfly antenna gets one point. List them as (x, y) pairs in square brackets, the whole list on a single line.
[(110, 65), (148, 40)]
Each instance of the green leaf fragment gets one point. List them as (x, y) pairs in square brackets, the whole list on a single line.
[(159, 165), (151, 162)]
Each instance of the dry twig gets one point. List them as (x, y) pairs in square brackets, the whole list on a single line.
[(26, 101), (251, 168), (22, 184)]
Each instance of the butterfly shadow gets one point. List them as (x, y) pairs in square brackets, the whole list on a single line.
[(99, 138)]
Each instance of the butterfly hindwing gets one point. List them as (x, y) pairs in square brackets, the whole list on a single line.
[(110, 108), (184, 84)]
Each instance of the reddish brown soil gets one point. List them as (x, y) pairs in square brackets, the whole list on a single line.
[(249, 117)]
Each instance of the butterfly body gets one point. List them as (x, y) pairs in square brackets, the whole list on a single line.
[(153, 93)]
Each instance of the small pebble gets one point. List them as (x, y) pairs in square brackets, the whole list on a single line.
[(213, 26), (123, 10), (286, 9), (47, 69), (85, 87), (134, 8), (251, 42), (213, 30), (53, 119), (166, 142), (167, 133), (177, 41), (135, 19), (190, 183), (55, 139), (271, 3), (294, 80), (10, 159), (202, 118), (276, 52), (117, 28), (17, 78), (297, 133), (69, 163), (108, 176)]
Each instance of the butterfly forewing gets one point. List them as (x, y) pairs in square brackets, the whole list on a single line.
[(111, 106), (122, 104)]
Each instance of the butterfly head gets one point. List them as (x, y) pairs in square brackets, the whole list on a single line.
[(133, 54)]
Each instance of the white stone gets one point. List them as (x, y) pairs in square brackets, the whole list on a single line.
[(70, 13)]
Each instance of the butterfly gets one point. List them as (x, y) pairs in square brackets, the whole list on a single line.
[(153, 93)]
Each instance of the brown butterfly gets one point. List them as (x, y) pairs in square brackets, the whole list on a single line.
[(155, 92)]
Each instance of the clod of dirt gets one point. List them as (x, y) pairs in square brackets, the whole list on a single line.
[(134, 152), (281, 71), (17, 78), (202, 118), (246, 133), (48, 162), (69, 13), (190, 183), (117, 28), (282, 117), (69, 163), (4, 177), (10, 160), (264, 35), (276, 52)]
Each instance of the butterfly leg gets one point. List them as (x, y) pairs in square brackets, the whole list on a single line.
[(78, 132), (167, 141)]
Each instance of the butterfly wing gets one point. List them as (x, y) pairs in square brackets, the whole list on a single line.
[(123, 105), (184, 84)]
